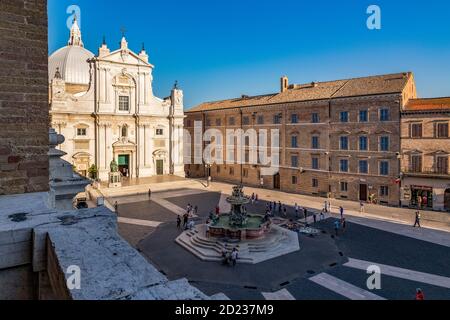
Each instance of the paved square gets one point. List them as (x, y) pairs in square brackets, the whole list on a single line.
[(326, 267)]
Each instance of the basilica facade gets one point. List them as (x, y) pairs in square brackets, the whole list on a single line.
[(105, 107)]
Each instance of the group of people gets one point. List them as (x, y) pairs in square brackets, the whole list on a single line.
[(187, 223), (230, 258)]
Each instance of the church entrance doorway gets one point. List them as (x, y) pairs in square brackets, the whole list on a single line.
[(159, 167), (124, 164)]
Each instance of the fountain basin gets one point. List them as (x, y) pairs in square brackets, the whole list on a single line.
[(255, 228)]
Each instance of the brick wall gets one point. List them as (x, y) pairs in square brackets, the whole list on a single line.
[(24, 111)]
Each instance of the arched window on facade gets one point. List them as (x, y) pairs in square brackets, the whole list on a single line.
[(124, 131)]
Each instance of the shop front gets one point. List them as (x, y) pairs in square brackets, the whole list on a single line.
[(422, 197)]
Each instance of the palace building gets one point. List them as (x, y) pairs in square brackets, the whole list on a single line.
[(105, 107), (425, 153), (338, 138)]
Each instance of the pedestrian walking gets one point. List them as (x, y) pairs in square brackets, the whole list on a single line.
[(361, 207), (234, 257), (329, 206), (285, 211), (344, 225), (253, 198), (322, 214), (280, 208), (195, 210), (419, 294), (305, 214), (315, 218), (116, 207), (341, 210), (417, 221), (185, 220), (296, 210), (178, 222), (336, 227), (325, 206), (149, 193)]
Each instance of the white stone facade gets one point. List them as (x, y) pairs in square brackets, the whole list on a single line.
[(114, 114)]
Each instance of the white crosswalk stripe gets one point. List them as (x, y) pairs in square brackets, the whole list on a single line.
[(279, 295), (344, 288), (396, 272), (138, 222)]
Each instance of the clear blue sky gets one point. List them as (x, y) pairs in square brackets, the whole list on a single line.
[(221, 49)]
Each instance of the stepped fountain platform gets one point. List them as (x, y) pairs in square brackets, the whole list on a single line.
[(275, 243)]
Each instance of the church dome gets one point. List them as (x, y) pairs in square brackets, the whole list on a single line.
[(71, 61)]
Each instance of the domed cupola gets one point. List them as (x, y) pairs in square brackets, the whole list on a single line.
[(72, 60)]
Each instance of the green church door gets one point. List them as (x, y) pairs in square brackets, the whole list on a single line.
[(124, 165), (159, 167)]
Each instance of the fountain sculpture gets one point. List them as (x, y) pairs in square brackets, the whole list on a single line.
[(238, 224)]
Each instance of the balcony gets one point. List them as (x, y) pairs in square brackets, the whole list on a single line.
[(426, 172)]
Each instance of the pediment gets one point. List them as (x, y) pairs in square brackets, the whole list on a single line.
[(125, 57)]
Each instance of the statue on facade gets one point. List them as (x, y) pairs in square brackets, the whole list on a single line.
[(114, 166)]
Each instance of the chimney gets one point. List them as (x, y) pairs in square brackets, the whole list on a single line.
[(284, 84)]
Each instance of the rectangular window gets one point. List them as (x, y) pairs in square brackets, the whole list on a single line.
[(363, 116), (260, 119), (384, 191), (315, 142), (315, 183), (416, 163), (416, 130), (231, 171), (363, 143), (218, 122), (363, 167), (294, 118), (159, 132), (294, 161), (246, 121), (231, 121), (344, 186), (315, 118), (384, 168), (315, 163), (277, 119), (247, 156), (81, 132), (442, 130), (384, 114), (344, 116), (343, 165), (294, 142), (294, 180), (124, 103), (245, 173), (344, 143), (384, 144), (442, 165)]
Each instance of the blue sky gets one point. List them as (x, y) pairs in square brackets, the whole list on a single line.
[(223, 49)]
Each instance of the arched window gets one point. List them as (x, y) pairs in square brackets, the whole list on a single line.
[(124, 132)]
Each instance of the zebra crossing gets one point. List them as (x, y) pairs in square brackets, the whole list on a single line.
[(354, 292)]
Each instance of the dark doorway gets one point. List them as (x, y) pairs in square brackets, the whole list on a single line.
[(447, 200), (159, 167), (277, 181), (124, 164), (363, 192)]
